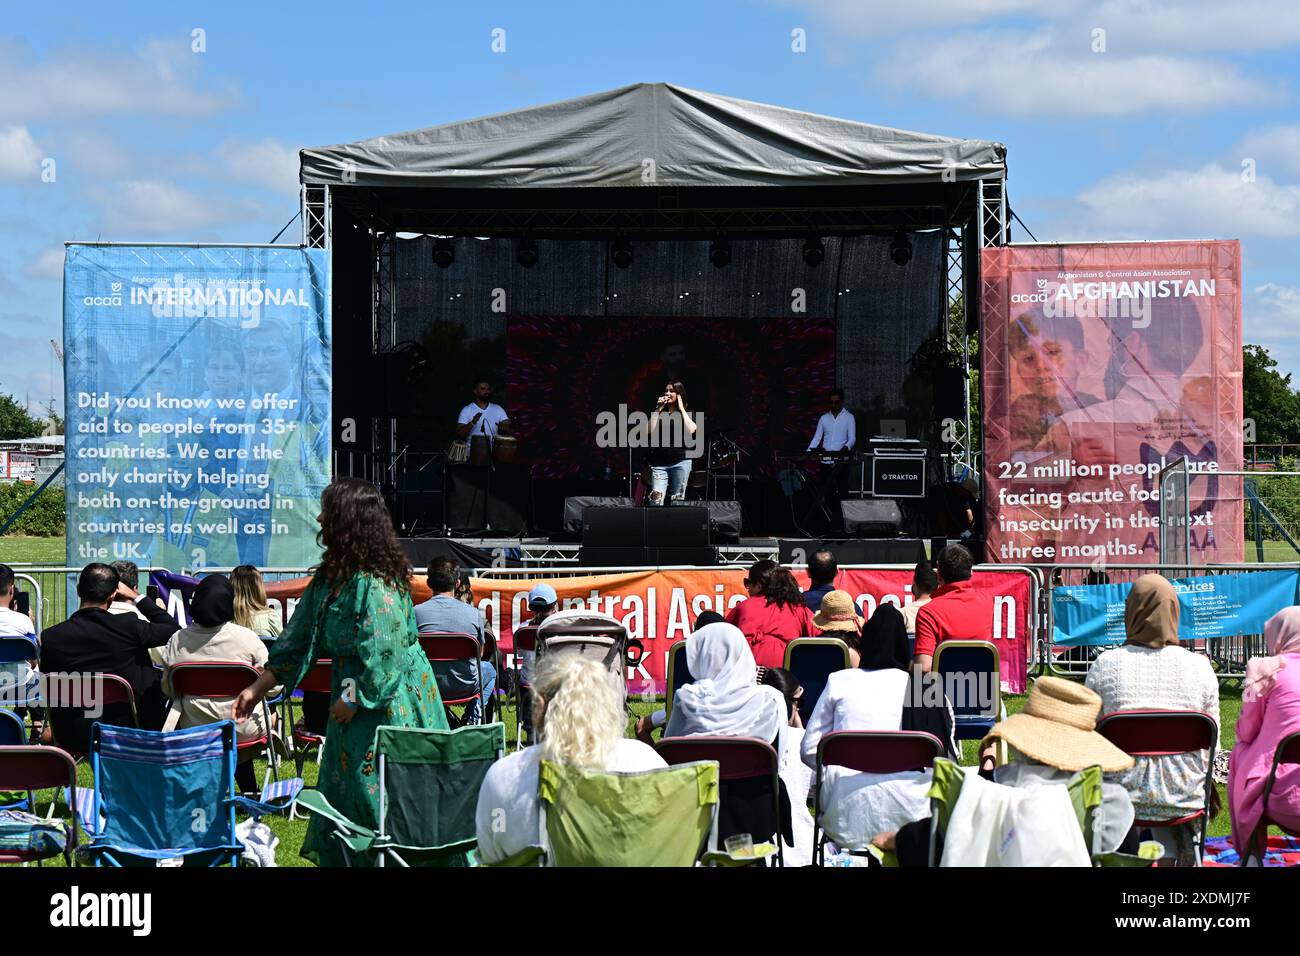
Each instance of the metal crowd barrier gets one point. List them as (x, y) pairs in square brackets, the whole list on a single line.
[(50, 587), (1228, 654)]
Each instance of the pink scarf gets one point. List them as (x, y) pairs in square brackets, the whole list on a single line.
[(1281, 636)]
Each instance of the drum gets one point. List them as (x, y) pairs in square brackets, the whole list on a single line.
[(505, 449), (458, 452), (480, 450)]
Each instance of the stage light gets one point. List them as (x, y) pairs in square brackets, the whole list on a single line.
[(526, 253), (720, 253), (900, 250), (622, 253), (444, 253), (813, 251)]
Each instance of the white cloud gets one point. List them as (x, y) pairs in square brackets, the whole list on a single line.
[(1209, 203), (154, 206), (1270, 315), (268, 163), (48, 265), (20, 157), (1033, 73), (1276, 147), (157, 79), (874, 17)]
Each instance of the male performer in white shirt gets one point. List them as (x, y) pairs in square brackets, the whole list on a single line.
[(483, 416), (836, 429)]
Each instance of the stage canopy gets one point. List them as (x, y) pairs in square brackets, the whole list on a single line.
[(694, 139)]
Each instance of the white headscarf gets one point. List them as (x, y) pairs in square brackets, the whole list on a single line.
[(724, 698)]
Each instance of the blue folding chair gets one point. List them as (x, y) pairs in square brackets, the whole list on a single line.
[(679, 674), (163, 795), (13, 649), (971, 673), (12, 731), (812, 660)]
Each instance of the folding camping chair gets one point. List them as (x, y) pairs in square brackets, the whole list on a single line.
[(1288, 751), (868, 751), (1163, 733), (447, 648), (583, 817), (679, 674), (13, 732), (429, 782), (743, 762), (220, 680), (72, 696), (24, 838), (15, 649), (968, 669), (525, 644), (164, 795), (812, 660)]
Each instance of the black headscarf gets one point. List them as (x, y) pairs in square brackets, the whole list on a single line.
[(707, 617), (213, 603), (883, 644)]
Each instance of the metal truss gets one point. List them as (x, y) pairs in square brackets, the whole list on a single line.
[(316, 224)]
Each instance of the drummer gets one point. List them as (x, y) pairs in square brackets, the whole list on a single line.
[(482, 416)]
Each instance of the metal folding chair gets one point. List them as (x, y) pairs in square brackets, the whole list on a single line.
[(525, 642), (1288, 751), (738, 758), (32, 768), (679, 674), (868, 751), (221, 679), (69, 697), (968, 669), (448, 647), (812, 660), (1166, 733), (15, 649)]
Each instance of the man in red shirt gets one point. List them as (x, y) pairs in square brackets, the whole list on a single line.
[(956, 611)]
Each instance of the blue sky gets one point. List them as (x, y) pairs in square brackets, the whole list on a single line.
[(1138, 131)]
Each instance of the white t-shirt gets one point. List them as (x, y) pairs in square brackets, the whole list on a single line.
[(507, 819), (17, 680), (856, 806), (488, 422)]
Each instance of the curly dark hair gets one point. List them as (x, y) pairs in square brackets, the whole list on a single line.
[(356, 532), (775, 583)]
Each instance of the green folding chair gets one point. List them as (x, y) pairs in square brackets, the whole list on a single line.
[(1085, 796), (428, 793), (660, 817)]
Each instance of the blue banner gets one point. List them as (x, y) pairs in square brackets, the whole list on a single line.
[(198, 404), (1217, 605)]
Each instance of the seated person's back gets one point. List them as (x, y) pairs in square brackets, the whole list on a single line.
[(444, 613)]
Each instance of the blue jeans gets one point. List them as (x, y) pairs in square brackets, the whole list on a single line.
[(670, 479), (456, 680)]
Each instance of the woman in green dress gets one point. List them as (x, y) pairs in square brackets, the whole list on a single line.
[(357, 612)]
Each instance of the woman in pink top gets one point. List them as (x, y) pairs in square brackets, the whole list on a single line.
[(1270, 709), (773, 615)]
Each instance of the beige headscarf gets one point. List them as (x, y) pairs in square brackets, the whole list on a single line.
[(1151, 613)]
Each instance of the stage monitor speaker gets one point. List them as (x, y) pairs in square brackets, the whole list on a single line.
[(467, 496), (907, 551), (574, 507), (724, 521), (600, 557), (507, 504), (871, 517), (613, 527), (676, 526)]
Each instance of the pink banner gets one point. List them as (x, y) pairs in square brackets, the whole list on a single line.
[(1101, 363)]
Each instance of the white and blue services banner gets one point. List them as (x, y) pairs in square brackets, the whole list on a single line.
[(198, 403)]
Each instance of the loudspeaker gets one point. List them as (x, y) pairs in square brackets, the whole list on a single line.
[(908, 551), (507, 504), (724, 521), (950, 393), (467, 496), (574, 507), (871, 517), (670, 527)]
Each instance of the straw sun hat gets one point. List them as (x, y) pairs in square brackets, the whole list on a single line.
[(838, 613), (1057, 728)]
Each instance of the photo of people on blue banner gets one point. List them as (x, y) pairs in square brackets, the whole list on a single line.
[(198, 404)]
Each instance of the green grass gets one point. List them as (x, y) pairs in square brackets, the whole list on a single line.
[(21, 549)]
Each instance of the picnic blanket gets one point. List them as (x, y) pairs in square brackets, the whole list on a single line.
[(1280, 851)]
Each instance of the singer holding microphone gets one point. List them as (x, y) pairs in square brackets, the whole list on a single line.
[(671, 424)]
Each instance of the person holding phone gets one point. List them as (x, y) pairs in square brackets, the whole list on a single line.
[(20, 681)]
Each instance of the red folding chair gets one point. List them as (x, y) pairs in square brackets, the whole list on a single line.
[(448, 647), (1288, 751), (525, 642), (318, 680), (739, 758), (1166, 733), (32, 768), (70, 699), (869, 751), (221, 679)]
